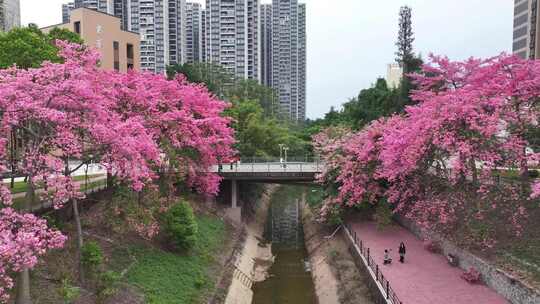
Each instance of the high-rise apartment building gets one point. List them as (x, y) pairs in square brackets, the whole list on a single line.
[(205, 25), (105, 6), (176, 12), (120, 10), (152, 20), (233, 36), (526, 29), (66, 11), (160, 24), (98, 5), (194, 32), (266, 45), (10, 14), (302, 62), (289, 57)]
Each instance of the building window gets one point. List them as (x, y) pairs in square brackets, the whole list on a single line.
[(130, 56), (116, 50), (77, 27)]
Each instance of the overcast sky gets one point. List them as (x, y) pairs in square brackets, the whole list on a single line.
[(350, 42)]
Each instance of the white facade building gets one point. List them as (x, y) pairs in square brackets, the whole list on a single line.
[(394, 73)]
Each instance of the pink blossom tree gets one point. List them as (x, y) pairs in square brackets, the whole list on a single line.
[(186, 122), (470, 122), (63, 112)]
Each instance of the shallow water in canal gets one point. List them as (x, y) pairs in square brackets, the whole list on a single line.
[(290, 278)]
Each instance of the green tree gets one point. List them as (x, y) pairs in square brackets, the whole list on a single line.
[(252, 90), (213, 76), (259, 129), (180, 227), (28, 47), (405, 40), (371, 104), (226, 86), (260, 136), (64, 34)]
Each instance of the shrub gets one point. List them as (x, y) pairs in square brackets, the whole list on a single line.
[(201, 281), (91, 255), (383, 214), (472, 276), (68, 292), (432, 246), (107, 284), (334, 216), (179, 226)]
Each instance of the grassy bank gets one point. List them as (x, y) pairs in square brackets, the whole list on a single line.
[(147, 271), (170, 278)]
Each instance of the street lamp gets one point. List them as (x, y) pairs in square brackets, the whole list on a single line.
[(285, 149)]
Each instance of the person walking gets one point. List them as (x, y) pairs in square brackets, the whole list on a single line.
[(402, 250)]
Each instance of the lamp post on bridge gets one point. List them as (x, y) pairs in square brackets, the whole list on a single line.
[(281, 153), (285, 149)]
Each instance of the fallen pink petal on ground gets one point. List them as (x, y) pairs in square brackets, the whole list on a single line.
[(425, 277)]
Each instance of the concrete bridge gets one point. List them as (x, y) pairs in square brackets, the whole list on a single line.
[(270, 171), (265, 172)]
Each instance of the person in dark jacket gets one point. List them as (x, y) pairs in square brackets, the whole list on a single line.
[(402, 252)]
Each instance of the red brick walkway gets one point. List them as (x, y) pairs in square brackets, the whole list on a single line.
[(425, 278)]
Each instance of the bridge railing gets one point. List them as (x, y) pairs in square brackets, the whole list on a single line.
[(270, 167), (290, 159)]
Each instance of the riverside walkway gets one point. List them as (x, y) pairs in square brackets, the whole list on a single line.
[(425, 277)]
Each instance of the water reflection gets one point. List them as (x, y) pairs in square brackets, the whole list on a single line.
[(290, 278)]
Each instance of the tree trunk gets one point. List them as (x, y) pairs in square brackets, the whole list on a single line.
[(524, 173), (23, 280), (109, 179), (23, 288), (86, 178), (12, 182), (472, 164), (13, 148), (80, 240)]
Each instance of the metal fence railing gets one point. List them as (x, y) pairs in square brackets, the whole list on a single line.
[(269, 167), (289, 159), (364, 251)]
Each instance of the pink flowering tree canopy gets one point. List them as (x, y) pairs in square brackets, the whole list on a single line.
[(185, 122), (129, 123), (439, 161)]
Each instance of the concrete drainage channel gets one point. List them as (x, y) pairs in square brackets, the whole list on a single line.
[(274, 265), (289, 279)]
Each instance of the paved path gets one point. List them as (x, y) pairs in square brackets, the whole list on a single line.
[(425, 278)]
